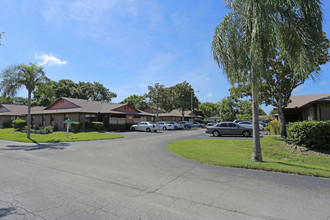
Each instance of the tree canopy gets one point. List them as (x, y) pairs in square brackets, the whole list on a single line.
[(17, 76), (137, 101), (48, 92), (250, 35)]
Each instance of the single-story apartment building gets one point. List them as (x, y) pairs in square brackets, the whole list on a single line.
[(308, 108), (9, 112), (175, 115), (87, 111)]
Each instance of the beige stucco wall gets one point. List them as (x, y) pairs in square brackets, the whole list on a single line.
[(4, 118), (325, 111)]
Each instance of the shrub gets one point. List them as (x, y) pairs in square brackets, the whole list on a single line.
[(310, 134), (6, 124), (267, 129), (19, 124), (76, 126), (97, 125), (49, 129), (274, 127), (119, 127)]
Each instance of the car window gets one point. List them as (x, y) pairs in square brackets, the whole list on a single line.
[(232, 125), (222, 125), (140, 123)]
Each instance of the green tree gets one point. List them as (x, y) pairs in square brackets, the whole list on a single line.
[(45, 94), (101, 93), (137, 101), (156, 97), (227, 109), (15, 77), (13, 100), (66, 88), (209, 109), (277, 86), (183, 97), (249, 35)]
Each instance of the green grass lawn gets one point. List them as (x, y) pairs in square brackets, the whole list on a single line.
[(277, 155), (11, 135)]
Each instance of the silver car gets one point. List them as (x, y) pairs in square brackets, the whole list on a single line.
[(145, 126), (228, 128), (165, 125)]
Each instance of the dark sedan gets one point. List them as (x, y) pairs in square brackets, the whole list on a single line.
[(228, 128)]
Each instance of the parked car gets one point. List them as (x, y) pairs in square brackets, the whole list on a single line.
[(240, 120), (211, 124), (229, 128), (145, 126), (250, 124), (176, 125), (198, 125), (185, 124), (165, 125)]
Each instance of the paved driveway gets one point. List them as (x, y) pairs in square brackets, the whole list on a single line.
[(137, 178)]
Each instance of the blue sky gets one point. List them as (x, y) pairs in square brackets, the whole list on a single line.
[(125, 44)]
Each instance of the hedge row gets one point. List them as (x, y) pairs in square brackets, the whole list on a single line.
[(310, 134), (120, 127)]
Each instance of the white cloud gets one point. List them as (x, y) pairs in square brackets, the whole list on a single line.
[(49, 60), (209, 95)]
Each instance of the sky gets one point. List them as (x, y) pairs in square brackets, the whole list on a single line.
[(127, 45)]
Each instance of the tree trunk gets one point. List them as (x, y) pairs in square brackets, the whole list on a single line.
[(282, 122), (29, 115), (256, 153), (182, 115)]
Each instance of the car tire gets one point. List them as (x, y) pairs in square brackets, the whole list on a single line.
[(155, 131), (148, 130), (246, 133), (132, 129), (216, 133), (164, 128), (176, 128)]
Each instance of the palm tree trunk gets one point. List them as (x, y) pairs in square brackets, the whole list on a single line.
[(29, 115), (282, 121), (256, 152)]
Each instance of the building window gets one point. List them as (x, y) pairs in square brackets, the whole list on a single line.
[(12, 118), (163, 118)]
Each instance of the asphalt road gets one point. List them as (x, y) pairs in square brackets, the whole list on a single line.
[(137, 178)]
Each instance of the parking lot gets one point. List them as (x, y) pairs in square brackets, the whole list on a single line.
[(137, 178)]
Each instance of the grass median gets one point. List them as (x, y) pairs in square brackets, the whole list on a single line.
[(10, 135), (278, 156)]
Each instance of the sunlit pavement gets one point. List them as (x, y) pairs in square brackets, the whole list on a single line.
[(137, 178)]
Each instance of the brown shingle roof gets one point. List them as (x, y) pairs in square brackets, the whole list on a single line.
[(177, 113), (301, 100), (88, 106), (16, 110)]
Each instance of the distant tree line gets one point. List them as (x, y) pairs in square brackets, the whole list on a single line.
[(228, 109), (160, 98), (50, 91)]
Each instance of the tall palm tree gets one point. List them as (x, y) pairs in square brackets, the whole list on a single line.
[(16, 76), (249, 36)]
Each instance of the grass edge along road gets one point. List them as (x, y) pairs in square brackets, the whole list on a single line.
[(277, 155), (10, 135)]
